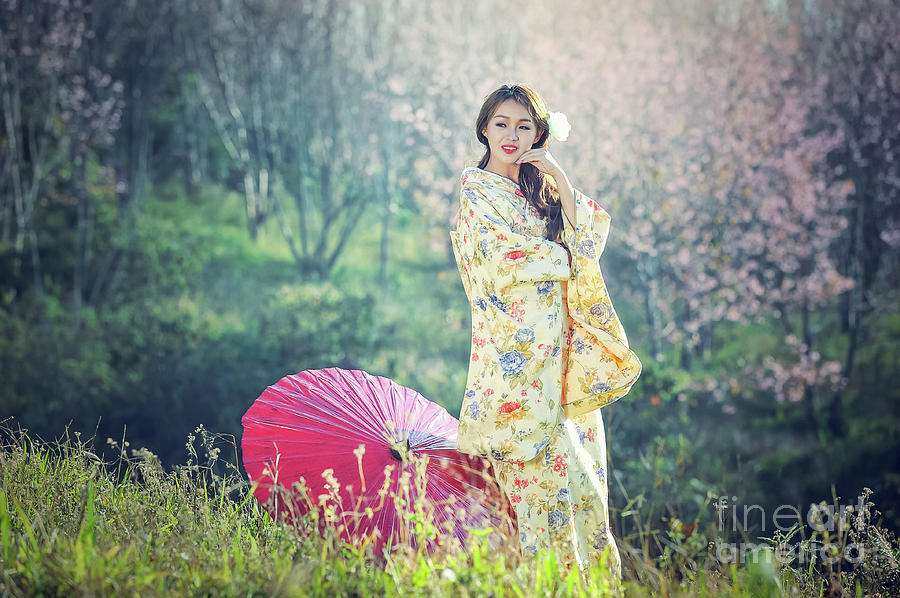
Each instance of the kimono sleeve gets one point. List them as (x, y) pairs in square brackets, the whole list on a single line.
[(513, 389), (601, 366), (493, 257)]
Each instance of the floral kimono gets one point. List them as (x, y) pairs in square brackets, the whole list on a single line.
[(548, 351)]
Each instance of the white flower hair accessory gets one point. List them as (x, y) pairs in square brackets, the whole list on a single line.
[(559, 125)]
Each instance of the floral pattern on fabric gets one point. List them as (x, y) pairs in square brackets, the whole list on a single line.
[(604, 368), (548, 351), (529, 307), (561, 498)]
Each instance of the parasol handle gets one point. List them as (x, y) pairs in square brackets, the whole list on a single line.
[(400, 445)]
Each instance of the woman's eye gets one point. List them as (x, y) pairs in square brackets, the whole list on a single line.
[(526, 127)]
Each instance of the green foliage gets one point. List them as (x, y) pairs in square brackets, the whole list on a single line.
[(202, 319), (199, 324), (72, 524)]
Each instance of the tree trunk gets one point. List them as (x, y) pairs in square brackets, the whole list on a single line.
[(685, 350), (388, 194), (853, 307), (9, 83), (251, 203), (78, 188), (649, 280), (193, 168)]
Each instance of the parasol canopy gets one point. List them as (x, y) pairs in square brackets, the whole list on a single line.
[(315, 421)]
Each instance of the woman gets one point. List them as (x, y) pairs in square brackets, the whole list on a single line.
[(547, 347)]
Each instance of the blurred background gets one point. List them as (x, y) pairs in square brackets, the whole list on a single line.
[(200, 197)]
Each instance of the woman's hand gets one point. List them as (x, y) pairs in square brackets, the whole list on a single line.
[(543, 160), (546, 163)]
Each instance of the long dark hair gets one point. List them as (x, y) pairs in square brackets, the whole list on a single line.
[(540, 191)]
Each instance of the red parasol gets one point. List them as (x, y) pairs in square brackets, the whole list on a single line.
[(313, 421)]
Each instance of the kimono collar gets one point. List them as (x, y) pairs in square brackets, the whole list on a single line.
[(495, 180)]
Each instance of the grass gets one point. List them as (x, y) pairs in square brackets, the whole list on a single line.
[(73, 524)]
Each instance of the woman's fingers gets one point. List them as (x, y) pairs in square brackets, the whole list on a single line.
[(542, 159), (530, 155), (534, 153)]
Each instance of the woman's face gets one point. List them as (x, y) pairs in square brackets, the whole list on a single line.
[(510, 131)]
